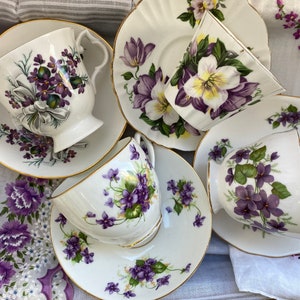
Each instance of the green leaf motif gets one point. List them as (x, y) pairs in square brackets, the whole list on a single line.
[(239, 66), (280, 190), (158, 267), (178, 207), (134, 212), (218, 14), (242, 172), (258, 154), (127, 75)]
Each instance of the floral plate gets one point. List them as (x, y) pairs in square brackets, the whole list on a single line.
[(32, 155), (144, 58), (276, 114), (156, 269)]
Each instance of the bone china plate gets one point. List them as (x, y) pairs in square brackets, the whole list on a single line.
[(26, 154), (163, 264), (148, 47), (277, 114)]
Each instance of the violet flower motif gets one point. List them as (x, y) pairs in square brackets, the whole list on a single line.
[(73, 246), (61, 219), (6, 273), (240, 155), (277, 225), (129, 294), (263, 175), (269, 205), (88, 256), (106, 221), (112, 174), (112, 287), (171, 186), (198, 220), (135, 155), (230, 176), (136, 53), (216, 153), (14, 236), (247, 196), (186, 194), (162, 281), (22, 199)]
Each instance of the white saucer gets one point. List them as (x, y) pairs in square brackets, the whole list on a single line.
[(178, 244), (156, 22), (243, 129), (106, 108)]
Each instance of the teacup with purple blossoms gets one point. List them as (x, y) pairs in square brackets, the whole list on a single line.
[(258, 184), (217, 77), (118, 201), (46, 88)]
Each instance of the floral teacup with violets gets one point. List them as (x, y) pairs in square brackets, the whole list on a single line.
[(258, 184), (217, 77), (118, 200), (45, 86)]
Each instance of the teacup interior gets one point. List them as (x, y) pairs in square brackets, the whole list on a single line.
[(74, 180)]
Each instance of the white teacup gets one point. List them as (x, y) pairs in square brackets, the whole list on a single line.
[(217, 77), (258, 184), (118, 200), (45, 87)]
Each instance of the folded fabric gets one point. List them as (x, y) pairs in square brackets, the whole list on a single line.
[(272, 277)]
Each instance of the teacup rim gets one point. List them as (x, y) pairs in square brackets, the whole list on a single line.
[(12, 51), (123, 143)]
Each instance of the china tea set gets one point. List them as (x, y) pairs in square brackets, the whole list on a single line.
[(46, 88)]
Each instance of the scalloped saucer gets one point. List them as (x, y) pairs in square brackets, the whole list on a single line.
[(157, 25), (243, 129), (106, 108), (177, 249)]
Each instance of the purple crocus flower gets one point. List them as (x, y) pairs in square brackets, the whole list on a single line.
[(14, 236), (22, 199), (136, 53), (6, 272)]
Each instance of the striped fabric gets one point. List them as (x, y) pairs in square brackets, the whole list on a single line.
[(104, 16)]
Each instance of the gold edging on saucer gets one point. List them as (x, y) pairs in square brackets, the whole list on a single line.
[(111, 50)]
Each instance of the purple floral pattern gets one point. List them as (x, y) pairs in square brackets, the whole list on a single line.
[(219, 151), (196, 9), (291, 19), (25, 244), (37, 149), (184, 197), (76, 243), (213, 80), (252, 170), (133, 195), (44, 88), (288, 117), (146, 91), (146, 273)]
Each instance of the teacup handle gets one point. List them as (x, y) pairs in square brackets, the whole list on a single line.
[(139, 138), (101, 45)]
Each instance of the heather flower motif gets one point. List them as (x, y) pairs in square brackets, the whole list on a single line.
[(14, 236), (146, 273), (136, 53), (184, 198)]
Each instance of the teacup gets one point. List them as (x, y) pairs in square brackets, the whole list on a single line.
[(217, 77), (45, 87), (118, 200), (258, 184)]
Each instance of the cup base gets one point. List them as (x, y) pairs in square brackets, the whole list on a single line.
[(75, 133)]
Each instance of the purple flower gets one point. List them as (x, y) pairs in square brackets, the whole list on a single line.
[(112, 175), (90, 214), (143, 89), (240, 155), (129, 294), (216, 153), (230, 176), (198, 221), (22, 199), (6, 272), (61, 219), (88, 256), (277, 225), (136, 53), (186, 193), (172, 186), (187, 268), (72, 247), (106, 221), (134, 153), (38, 60), (274, 156), (112, 287), (269, 205), (162, 281), (247, 197), (14, 236), (143, 271), (169, 209), (263, 175), (242, 209)]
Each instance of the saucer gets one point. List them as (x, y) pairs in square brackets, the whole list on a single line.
[(154, 27), (172, 256), (84, 155), (245, 128)]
